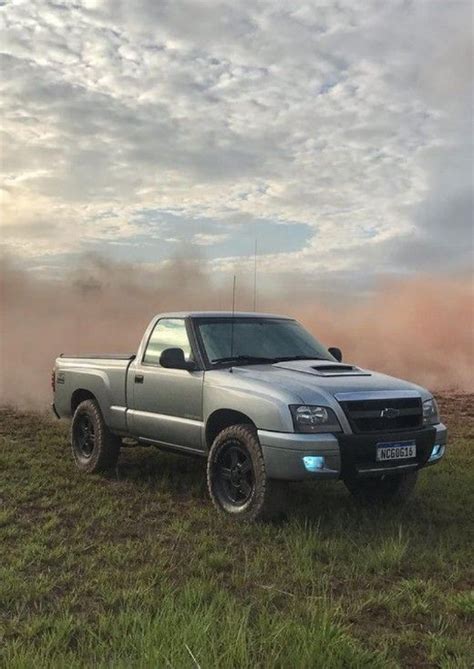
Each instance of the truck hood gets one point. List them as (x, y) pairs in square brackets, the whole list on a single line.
[(312, 381)]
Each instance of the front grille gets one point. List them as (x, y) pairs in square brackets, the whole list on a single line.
[(375, 415)]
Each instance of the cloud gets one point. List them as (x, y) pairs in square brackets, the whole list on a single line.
[(223, 120), (201, 239)]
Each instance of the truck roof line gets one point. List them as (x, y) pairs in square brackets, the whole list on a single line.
[(220, 314)]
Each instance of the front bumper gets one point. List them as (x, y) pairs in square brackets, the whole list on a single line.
[(283, 453), (345, 455), (55, 411)]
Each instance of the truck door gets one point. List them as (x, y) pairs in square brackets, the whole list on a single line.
[(165, 405)]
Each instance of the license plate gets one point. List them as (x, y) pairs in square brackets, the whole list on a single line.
[(397, 450)]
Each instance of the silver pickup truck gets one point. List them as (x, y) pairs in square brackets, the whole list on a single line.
[(261, 399)]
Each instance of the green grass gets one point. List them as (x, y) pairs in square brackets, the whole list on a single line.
[(137, 569)]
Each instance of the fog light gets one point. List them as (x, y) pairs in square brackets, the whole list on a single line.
[(437, 452), (313, 463)]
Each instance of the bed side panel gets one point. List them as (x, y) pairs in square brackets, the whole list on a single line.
[(104, 378)]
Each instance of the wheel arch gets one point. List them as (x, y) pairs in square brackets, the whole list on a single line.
[(80, 395), (222, 418)]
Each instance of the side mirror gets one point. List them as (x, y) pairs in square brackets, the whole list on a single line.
[(173, 358), (336, 353)]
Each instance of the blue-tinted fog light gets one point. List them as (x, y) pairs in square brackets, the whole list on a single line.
[(437, 452), (313, 463)]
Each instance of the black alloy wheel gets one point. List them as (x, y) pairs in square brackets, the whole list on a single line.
[(85, 435), (237, 479), (94, 447), (234, 474)]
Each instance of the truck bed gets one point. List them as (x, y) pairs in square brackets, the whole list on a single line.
[(103, 376)]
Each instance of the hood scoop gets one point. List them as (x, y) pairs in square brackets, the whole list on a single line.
[(322, 368), (339, 370)]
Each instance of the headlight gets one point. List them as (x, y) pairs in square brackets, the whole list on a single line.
[(314, 419), (430, 412)]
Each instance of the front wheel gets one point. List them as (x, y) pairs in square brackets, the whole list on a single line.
[(391, 488), (236, 477)]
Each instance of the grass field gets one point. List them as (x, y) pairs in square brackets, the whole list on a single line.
[(137, 570)]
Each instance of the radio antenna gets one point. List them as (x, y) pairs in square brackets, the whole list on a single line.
[(233, 318), (255, 278)]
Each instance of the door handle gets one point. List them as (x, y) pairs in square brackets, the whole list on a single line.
[(139, 378)]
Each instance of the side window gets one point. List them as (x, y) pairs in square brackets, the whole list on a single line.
[(168, 333)]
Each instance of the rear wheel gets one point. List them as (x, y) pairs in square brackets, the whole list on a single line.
[(237, 479), (94, 447), (396, 488)]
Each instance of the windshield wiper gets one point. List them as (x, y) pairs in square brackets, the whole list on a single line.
[(287, 358), (249, 359), (257, 359)]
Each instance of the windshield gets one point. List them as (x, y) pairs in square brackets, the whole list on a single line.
[(248, 340)]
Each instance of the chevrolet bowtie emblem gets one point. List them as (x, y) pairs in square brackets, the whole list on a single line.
[(389, 412)]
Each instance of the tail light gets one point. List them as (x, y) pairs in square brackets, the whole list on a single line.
[(53, 380)]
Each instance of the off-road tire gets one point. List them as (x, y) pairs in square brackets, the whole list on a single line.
[(268, 497), (395, 489), (105, 447)]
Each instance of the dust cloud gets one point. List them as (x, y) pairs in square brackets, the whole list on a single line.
[(419, 329)]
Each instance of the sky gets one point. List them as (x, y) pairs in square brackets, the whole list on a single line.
[(337, 134)]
